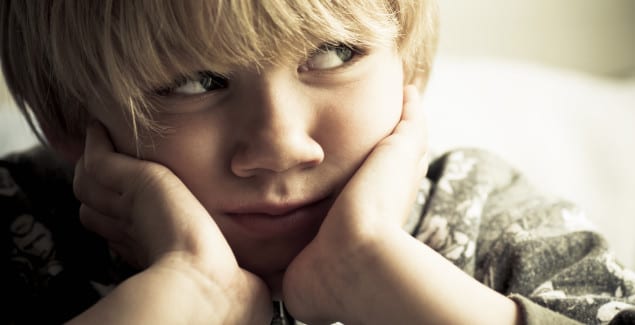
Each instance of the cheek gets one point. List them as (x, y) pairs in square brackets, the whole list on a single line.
[(194, 153), (382, 108), (192, 150), (360, 117)]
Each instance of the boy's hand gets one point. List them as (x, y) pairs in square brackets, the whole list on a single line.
[(319, 284), (151, 219)]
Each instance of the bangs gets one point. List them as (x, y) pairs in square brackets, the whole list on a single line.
[(129, 48), (64, 56)]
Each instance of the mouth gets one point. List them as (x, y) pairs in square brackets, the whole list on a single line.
[(266, 221)]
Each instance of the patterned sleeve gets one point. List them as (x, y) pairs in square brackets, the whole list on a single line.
[(54, 268), (487, 219), (28, 248)]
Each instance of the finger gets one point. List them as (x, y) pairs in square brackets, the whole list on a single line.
[(407, 146), (412, 108), (108, 228), (424, 163), (414, 124), (413, 121), (98, 197), (111, 169)]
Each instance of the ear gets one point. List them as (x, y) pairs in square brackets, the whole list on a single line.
[(69, 148)]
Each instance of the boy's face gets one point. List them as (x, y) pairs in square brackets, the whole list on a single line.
[(266, 152)]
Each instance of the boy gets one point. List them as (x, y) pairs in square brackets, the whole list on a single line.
[(231, 153)]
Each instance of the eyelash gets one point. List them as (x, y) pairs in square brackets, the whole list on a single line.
[(212, 79), (206, 78), (354, 52)]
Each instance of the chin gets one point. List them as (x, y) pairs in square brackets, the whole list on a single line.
[(274, 283), (269, 261)]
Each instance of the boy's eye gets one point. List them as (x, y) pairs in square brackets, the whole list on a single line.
[(206, 81), (329, 57)]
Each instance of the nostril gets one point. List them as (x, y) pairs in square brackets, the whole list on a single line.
[(294, 151)]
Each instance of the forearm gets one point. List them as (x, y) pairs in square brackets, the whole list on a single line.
[(160, 295), (180, 290), (405, 282)]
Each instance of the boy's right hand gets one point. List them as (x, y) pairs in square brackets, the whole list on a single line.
[(151, 219)]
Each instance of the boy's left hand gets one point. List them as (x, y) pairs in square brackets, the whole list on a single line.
[(377, 198)]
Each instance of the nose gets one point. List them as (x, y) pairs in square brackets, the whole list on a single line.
[(277, 135)]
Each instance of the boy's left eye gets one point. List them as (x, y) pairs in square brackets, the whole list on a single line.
[(329, 57)]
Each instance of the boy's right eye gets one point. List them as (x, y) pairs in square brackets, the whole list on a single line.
[(205, 82)]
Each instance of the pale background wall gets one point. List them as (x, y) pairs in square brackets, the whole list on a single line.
[(549, 85), (597, 36)]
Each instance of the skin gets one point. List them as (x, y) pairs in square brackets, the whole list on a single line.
[(278, 136), (353, 134)]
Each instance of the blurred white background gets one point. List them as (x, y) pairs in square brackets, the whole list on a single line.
[(547, 85), (550, 87), (587, 35)]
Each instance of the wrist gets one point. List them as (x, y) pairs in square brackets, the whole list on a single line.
[(206, 298), (227, 295), (406, 281), (158, 295), (370, 291), (350, 270)]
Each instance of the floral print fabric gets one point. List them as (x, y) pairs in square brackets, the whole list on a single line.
[(482, 215)]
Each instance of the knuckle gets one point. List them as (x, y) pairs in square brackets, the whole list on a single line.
[(152, 174), (155, 170)]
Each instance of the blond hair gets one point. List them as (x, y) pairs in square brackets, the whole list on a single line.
[(61, 56)]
